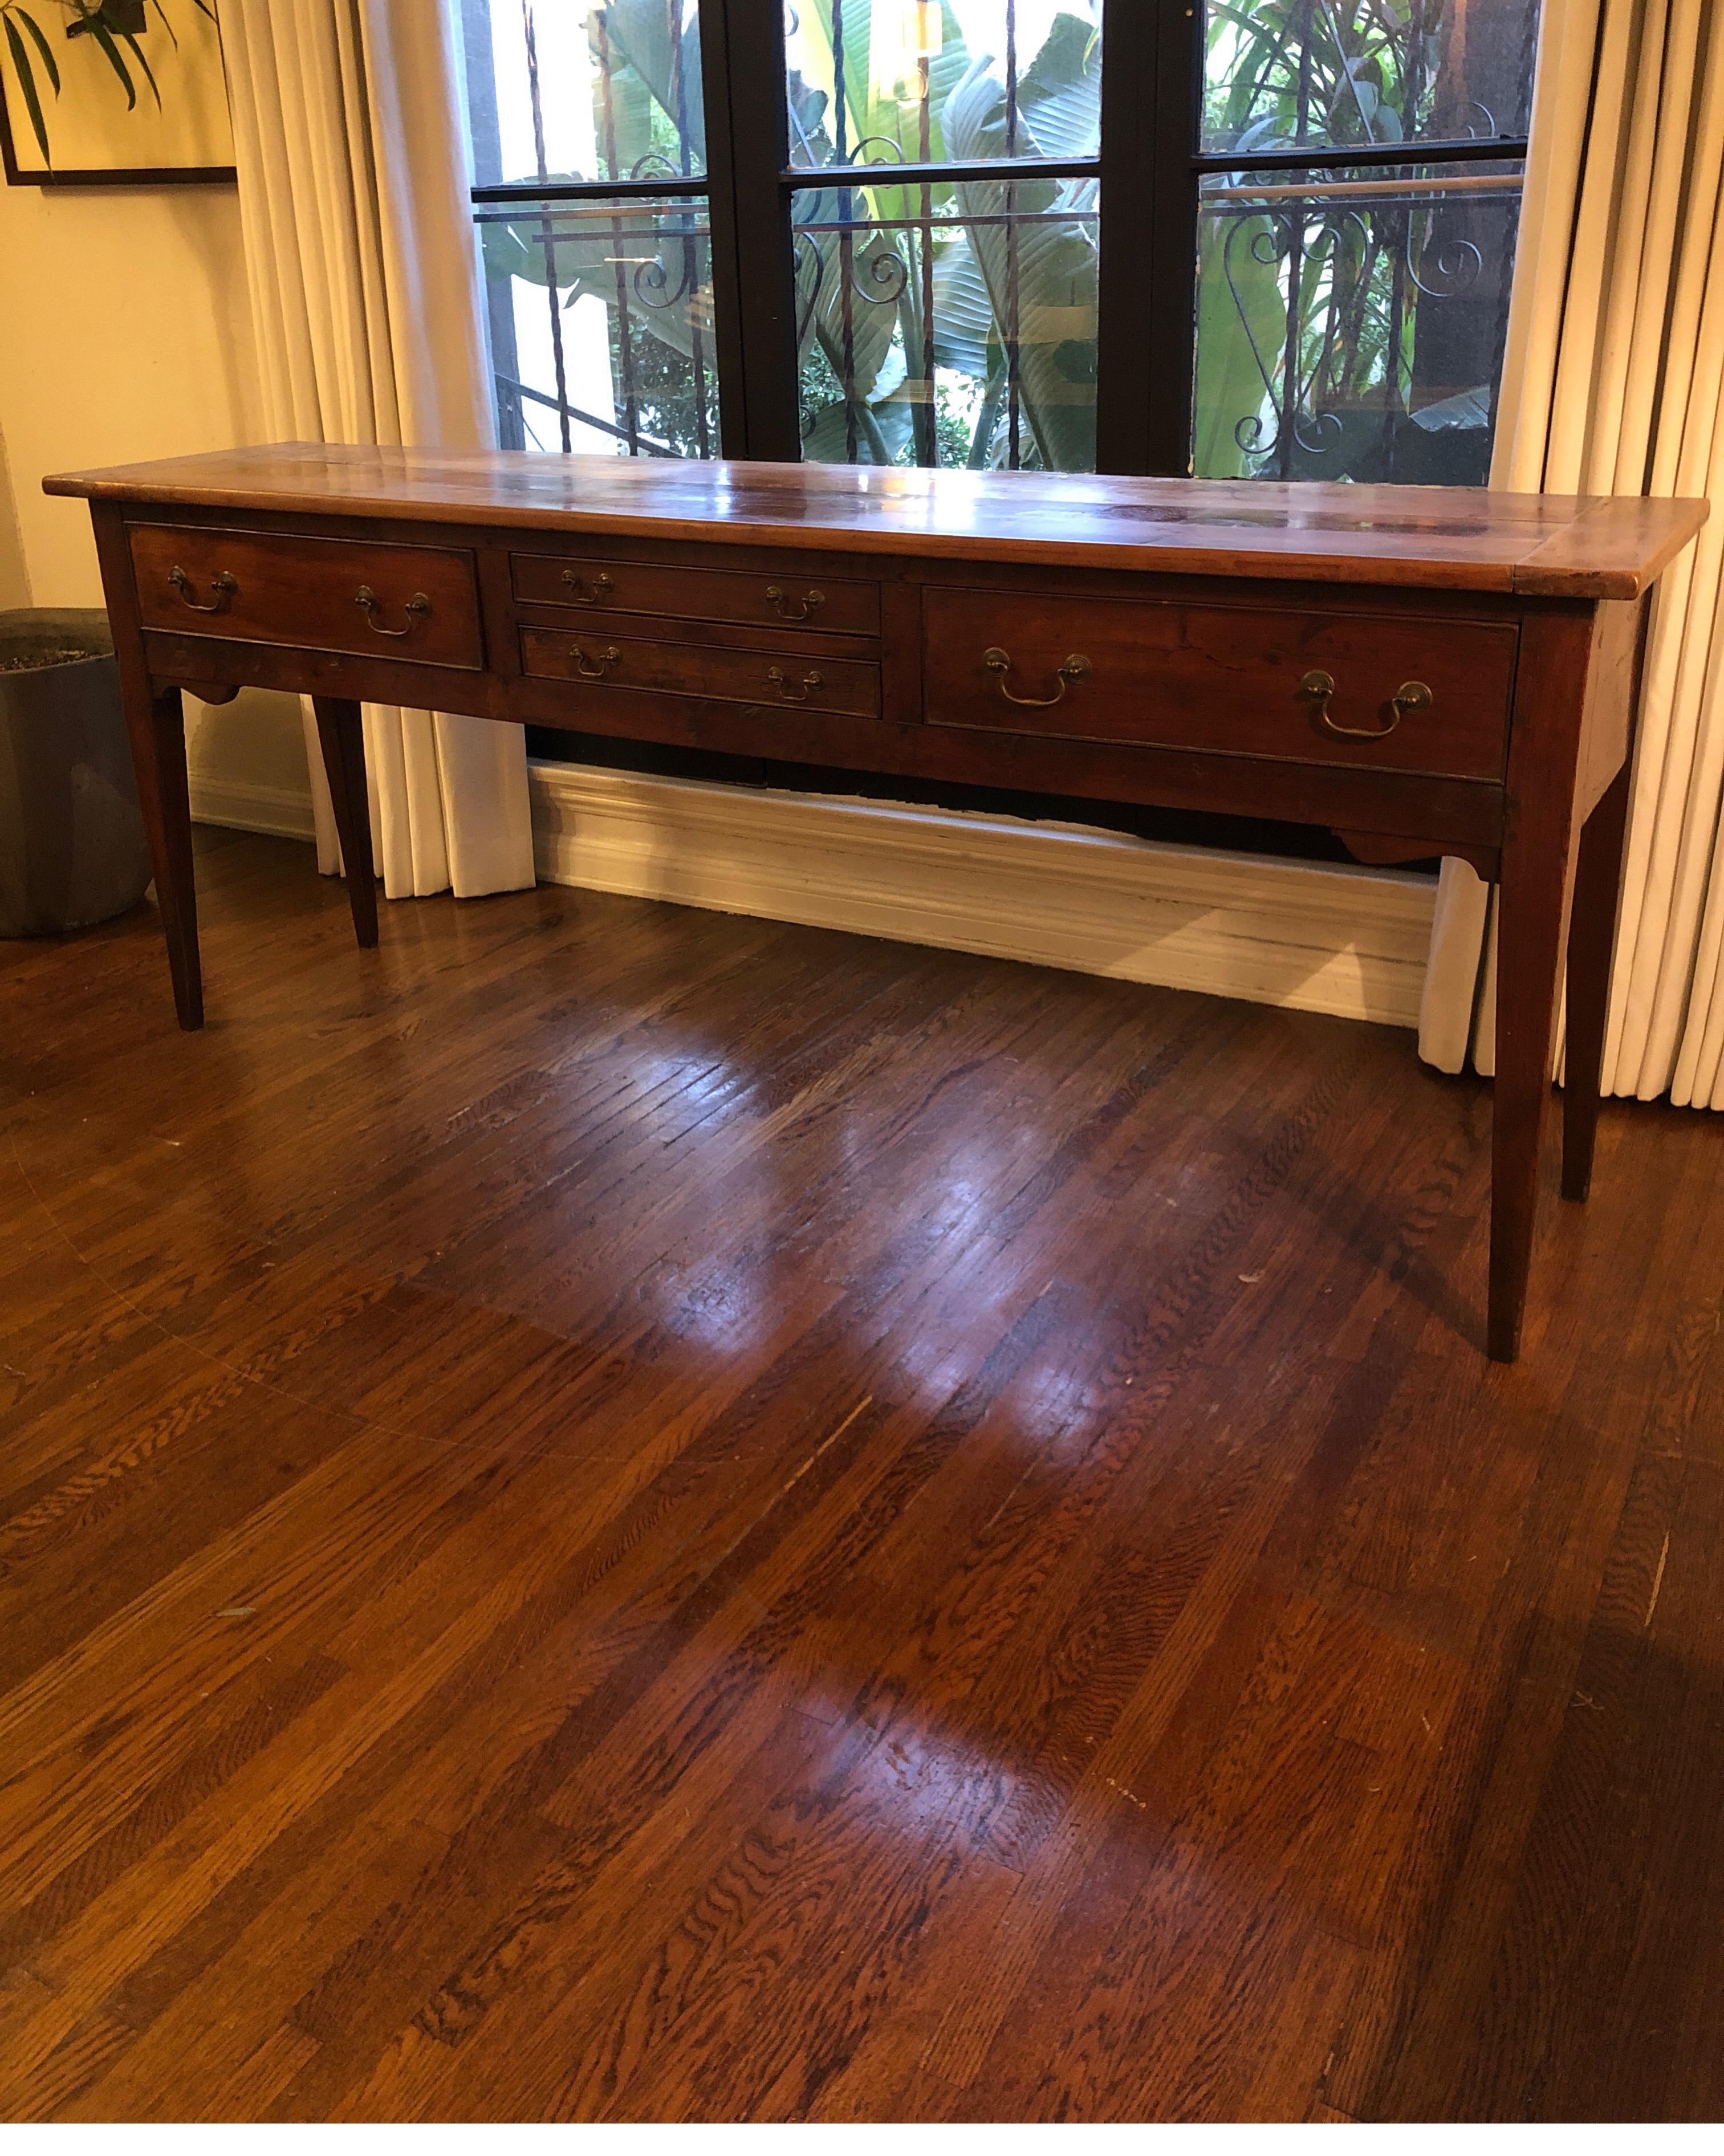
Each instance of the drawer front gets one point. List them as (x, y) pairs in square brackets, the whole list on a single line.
[(780, 675), (802, 597), (1422, 694), (419, 602)]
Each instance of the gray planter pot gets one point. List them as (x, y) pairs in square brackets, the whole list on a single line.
[(72, 844)]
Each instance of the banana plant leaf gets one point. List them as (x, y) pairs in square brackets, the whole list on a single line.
[(1059, 93), (964, 333), (1056, 262), (663, 268), (859, 343), (883, 434), (859, 340), (654, 79), (1242, 332), (880, 126)]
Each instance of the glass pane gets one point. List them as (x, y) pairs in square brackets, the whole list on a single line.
[(921, 81), (1353, 71), (601, 326), (950, 325), (1397, 292), (571, 93)]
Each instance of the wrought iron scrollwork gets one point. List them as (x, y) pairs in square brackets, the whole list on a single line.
[(885, 269), (1341, 269), (1316, 432), (898, 154), (1456, 261), (651, 281)]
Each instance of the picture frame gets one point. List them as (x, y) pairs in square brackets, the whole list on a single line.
[(176, 132)]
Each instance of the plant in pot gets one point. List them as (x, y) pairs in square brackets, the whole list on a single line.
[(72, 844)]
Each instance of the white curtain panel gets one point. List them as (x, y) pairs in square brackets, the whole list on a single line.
[(1613, 383), (366, 300)]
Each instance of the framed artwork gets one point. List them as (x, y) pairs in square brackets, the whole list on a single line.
[(104, 93)]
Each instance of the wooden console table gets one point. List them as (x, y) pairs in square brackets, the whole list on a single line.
[(1423, 670)]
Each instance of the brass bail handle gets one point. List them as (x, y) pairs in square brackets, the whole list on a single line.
[(417, 606), (1317, 687), (1077, 667), (601, 584), (808, 604), (595, 669), (801, 691), (224, 585)]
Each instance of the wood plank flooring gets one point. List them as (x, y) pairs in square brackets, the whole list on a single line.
[(613, 1512)]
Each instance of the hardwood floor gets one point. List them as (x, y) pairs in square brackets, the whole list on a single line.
[(616, 1513)]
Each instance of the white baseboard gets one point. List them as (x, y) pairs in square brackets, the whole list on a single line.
[(1347, 941), (283, 811), (1350, 941)]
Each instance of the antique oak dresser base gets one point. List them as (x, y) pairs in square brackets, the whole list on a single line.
[(1423, 671)]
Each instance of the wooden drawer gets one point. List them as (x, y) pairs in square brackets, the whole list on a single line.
[(769, 676), (797, 597), (1222, 678), (269, 588)]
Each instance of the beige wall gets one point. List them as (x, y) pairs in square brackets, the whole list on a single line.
[(126, 336)]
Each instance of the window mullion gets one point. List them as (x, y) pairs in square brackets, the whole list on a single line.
[(753, 275), (1151, 78)]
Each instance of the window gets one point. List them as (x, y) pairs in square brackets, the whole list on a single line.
[(1352, 298), (594, 211), (1256, 238)]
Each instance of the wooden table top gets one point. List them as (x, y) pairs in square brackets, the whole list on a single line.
[(1448, 538)]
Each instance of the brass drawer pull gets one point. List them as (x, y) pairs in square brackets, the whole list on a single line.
[(417, 606), (1317, 687), (223, 586), (801, 692), (595, 669), (1077, 667), (809, 602), (601, 584)]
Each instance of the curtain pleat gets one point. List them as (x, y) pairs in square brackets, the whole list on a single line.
[(1612, 385), (366, 301)]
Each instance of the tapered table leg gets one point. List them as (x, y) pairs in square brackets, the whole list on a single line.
[(341, 733), (1526, 963), (157, 726), (1592, 938), (1537, 878)]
